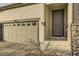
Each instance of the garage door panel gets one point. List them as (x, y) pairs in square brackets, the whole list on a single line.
[(21, 32)]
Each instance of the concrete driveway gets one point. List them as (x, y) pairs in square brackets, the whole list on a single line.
[(20, 49), (17, 49)]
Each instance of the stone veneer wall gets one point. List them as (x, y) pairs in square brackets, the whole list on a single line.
[(75, 37)]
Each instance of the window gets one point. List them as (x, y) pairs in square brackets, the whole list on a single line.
[(14, 24), (18, 24), (9, 24), (58, 23), (34, 23), (23, 24), (28, 23)]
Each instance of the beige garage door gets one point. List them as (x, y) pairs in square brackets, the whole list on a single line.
[(21, 32)]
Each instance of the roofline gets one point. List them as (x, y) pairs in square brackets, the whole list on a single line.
[(15, 5)]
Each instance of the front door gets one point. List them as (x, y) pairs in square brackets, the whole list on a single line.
[(58, 23)]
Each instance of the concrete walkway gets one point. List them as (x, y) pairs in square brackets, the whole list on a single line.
[(17, 49)]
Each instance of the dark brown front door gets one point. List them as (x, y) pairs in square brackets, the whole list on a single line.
[(58, 23)]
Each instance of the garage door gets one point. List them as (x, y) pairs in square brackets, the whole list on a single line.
[(21, 32)]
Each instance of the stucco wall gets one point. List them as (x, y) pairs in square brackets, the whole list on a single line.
[(31, 11)]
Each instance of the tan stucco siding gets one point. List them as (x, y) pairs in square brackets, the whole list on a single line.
[(31, 11), (59, 44)]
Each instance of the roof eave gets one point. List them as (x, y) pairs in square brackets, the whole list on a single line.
[(15, 5)]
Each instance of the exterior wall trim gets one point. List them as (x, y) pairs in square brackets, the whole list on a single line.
[(20, 20)]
